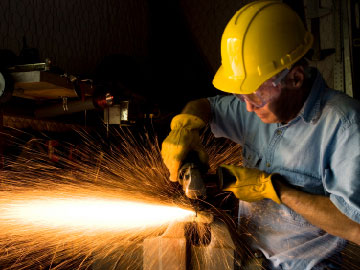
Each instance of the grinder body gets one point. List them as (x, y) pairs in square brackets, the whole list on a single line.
[(195, 180), (192, 182)]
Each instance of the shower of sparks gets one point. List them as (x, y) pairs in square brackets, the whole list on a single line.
[(91, 203)]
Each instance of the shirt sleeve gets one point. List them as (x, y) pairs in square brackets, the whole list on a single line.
[(226, 121), (342, 179)]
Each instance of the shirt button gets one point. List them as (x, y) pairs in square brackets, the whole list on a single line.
[(279, 132), (268, 164)]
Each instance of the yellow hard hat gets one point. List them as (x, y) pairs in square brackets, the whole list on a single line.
[(262, 39)]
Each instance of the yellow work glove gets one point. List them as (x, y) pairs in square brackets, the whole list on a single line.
[(183, 138), (251, 184)]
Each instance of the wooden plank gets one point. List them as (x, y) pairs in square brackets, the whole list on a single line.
[(43, 90)]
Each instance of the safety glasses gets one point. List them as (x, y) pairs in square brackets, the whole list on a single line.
[(267, 92)]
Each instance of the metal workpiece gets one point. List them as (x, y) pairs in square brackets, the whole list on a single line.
[(176, 249), (204, 217)]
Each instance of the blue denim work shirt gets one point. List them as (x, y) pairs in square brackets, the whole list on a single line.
[(318, 152)]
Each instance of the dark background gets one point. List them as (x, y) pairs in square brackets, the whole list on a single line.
[(157, 53)]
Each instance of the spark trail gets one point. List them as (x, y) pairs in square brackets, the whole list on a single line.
[(100, 203)]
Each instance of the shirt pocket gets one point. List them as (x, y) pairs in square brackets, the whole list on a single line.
[(251, 158)]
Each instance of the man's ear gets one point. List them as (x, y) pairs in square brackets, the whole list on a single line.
[(296, 77)]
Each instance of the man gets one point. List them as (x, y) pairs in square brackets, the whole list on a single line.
[(300, 185)]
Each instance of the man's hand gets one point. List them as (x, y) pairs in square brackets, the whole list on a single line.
[(251, 184), (183, 138)]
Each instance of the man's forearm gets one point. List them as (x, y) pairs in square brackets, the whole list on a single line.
[(319, 211), (200, 108)]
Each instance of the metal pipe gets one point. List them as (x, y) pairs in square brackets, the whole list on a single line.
[(60, 109), (69, 107)]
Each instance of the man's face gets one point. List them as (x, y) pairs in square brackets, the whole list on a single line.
[(282, 109), (264, 102), (266, 113), (286, 104)]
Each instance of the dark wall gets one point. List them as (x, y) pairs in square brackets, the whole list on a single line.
[(167, 50), (75, 34)]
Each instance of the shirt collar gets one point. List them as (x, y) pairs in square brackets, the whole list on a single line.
[(311, 109)]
